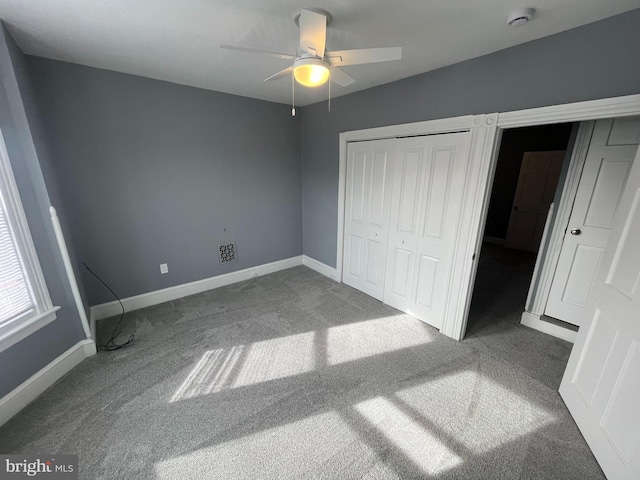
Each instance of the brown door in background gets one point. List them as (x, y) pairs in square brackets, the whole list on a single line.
[(536, 188)]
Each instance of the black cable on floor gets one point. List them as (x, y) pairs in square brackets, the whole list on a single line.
[(111, 345)]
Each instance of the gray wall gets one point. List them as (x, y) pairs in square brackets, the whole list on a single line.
[(594, 61), (25, 358), (153, 172)]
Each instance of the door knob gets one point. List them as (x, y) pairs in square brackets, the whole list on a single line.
[(375, 234), (402, 242), (576, 231)]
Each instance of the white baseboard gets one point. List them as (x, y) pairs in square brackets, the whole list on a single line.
[(90, 348), (532, 320), (321, 268), (110, 309), (30, 389), (494, 240)]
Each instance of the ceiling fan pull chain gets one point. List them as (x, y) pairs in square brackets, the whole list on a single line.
[(293, 95), (329, 82)]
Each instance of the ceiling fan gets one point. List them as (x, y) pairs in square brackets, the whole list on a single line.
[(315, 65)]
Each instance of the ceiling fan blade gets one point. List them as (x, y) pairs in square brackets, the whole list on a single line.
[(341, 77), (342, 58), (313, 32), (282, 73), (285, 56)]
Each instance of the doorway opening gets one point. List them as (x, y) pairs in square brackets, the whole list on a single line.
[(532, 164)]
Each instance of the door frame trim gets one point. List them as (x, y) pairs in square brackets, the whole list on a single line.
[(537, 299), (486, 132), (482, 128)]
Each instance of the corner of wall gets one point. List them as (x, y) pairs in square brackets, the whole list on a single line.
[(39, 349)]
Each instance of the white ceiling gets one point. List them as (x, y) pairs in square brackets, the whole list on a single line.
[(177, 40)]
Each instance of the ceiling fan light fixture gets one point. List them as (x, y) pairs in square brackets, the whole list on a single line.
[(311, 72)]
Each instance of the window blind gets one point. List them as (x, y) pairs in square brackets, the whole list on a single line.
[(15, 295)]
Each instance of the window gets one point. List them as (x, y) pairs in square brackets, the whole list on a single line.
[(25, 305)]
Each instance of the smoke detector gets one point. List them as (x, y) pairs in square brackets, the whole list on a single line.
[(519, 18)]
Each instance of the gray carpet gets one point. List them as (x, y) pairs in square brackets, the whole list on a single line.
[(292, 375)]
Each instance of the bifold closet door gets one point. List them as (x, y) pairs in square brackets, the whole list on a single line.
[(367, 203), (428, 187)]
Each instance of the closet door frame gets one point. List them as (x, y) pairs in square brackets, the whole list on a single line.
[(482, 142), (486, 132)]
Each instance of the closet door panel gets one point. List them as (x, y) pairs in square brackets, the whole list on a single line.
[(442, 194), (354, 249), (403, 202), (403, 232), (441, 203), (379, 205), (400, 276), (427, 275), (411, 166), (367, 203), (426, 203)]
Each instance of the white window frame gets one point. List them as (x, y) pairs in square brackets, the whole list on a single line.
[(43, 313)]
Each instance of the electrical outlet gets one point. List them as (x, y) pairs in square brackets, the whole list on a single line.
[(164, 268)]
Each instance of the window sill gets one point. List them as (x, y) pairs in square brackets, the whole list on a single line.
[(26, 327)]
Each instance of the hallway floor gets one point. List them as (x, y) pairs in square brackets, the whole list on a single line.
[(499, 296)]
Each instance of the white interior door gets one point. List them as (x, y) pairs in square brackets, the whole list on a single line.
[(367, 203), (601, 385), (537, 182), (440, 207), (425, 208), (613, 146), (408, 177)]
